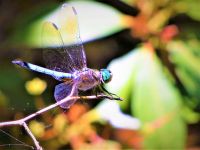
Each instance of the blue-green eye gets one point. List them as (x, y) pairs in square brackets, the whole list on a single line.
[(106, 75)]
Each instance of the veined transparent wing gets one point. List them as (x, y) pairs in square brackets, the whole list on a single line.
[(61, 34), (63, 90), (55, 57)]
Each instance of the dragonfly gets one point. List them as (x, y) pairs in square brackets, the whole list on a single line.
[(66, 59)]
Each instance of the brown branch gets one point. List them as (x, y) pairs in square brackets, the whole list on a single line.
[(22, 122)]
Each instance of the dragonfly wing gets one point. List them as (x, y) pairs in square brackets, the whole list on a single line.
[(54, 55), (65, 34), (63, 90), (69, 28)]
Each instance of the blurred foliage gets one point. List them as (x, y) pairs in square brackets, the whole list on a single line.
[(29, 34), (35, 86), (159, 77)]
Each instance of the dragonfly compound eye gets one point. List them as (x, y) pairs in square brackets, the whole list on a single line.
[(106, 75)]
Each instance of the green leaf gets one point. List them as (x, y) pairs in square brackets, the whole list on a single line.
[(141, 81), (129, 2), (189, 115), (96, 20), (192, 8), (156, 102), (122, 78), (186, 58), (183, 56)]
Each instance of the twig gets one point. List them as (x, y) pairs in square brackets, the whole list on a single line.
[(22, 122), (37, 145)]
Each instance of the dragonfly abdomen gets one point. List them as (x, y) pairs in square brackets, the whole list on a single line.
[(55, 74)]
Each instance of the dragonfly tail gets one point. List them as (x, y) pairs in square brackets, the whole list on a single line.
[(21, 63), (60, 76)]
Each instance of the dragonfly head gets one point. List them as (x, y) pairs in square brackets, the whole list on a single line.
[(106, 75)]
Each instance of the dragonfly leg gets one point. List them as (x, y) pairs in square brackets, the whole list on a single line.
[(95, 91), (111, 95)]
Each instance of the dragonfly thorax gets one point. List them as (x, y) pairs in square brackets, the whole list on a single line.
[(87, 79)]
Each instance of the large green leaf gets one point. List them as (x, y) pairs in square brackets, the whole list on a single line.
[(156, 102), (139, 78), (96, 20), (124, 70)]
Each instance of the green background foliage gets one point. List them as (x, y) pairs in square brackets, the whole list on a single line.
[(153, 50)]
